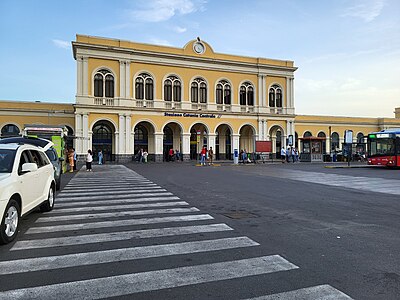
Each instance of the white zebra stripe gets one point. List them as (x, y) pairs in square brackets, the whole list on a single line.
[(113, 197), (154, 280), (320, 292), (127, 206), (105, 186), (116, 214), (124, 254), (119, 223), (69, 194), (117, 236), (68, 204)]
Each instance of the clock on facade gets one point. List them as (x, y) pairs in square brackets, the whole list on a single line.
[(199, 47)]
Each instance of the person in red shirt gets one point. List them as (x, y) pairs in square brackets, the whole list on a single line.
[(203, 156)]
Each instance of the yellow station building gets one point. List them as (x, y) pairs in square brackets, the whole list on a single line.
[(133, 96)]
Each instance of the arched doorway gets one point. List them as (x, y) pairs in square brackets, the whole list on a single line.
[(172, 139), (144, 139), (223, 142), (198, 140), (247, 138), (103, 139), (277, 135)]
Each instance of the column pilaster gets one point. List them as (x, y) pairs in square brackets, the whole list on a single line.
[(85, 129), (121, 139), (128, 132), (159, 136), (122, 81), (85, 78)]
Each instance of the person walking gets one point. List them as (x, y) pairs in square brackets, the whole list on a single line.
[(294, 154), (100, 154), (210, 156), (89, 160), (177, 155)]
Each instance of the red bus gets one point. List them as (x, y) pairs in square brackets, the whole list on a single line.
[(384, 148)]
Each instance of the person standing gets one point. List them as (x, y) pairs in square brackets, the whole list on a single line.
[(75, 156), (210, 155), (283, 155), (100, 154), (89, 160), (145, 154), (71, 160), (244, 156), (171, 154), (288, 154), (203, 156), (177, 155)]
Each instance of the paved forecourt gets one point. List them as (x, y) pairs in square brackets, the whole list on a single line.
[(111, 218)]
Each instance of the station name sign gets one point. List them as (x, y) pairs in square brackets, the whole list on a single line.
[(191, 115)]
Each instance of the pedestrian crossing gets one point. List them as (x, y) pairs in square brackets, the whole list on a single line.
[(116, 216)]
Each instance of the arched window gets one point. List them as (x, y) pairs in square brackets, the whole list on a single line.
[(9, 130), (177, 91), (144, 87), (198, 90), (167, 90), (335, 141), (246, 94), (141, 134), (242, 95), (307, 134), (275, 96), (223, 92), (149, 89), (227, 94), (139, 88), (104, 81), (219, 94), (323, 135), (172, 89), (360, 138)]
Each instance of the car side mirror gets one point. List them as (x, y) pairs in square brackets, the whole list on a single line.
[(61, 158), (29, 167)]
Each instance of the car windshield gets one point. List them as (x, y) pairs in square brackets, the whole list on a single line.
[(6, 160), (51, 155)]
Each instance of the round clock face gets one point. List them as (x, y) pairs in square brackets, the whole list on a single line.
[(199, 48)]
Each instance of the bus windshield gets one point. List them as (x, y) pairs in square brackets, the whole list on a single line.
[(381, 147)]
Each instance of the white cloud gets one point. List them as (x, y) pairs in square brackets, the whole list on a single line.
[(163, 10), (62, 44), (366, 10), (157, 41), (180, 29)]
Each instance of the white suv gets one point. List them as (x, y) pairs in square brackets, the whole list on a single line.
[(26, 181)]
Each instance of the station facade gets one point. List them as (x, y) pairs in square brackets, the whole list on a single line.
[(133, 96)]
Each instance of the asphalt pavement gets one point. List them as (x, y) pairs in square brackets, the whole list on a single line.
[(180, 231)]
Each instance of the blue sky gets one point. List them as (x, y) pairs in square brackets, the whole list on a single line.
[(347, 51)]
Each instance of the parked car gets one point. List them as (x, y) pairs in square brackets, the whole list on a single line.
[(26, 182), (50, 152)]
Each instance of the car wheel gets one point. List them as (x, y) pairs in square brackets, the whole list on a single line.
[(49, 203), (10, 222)]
